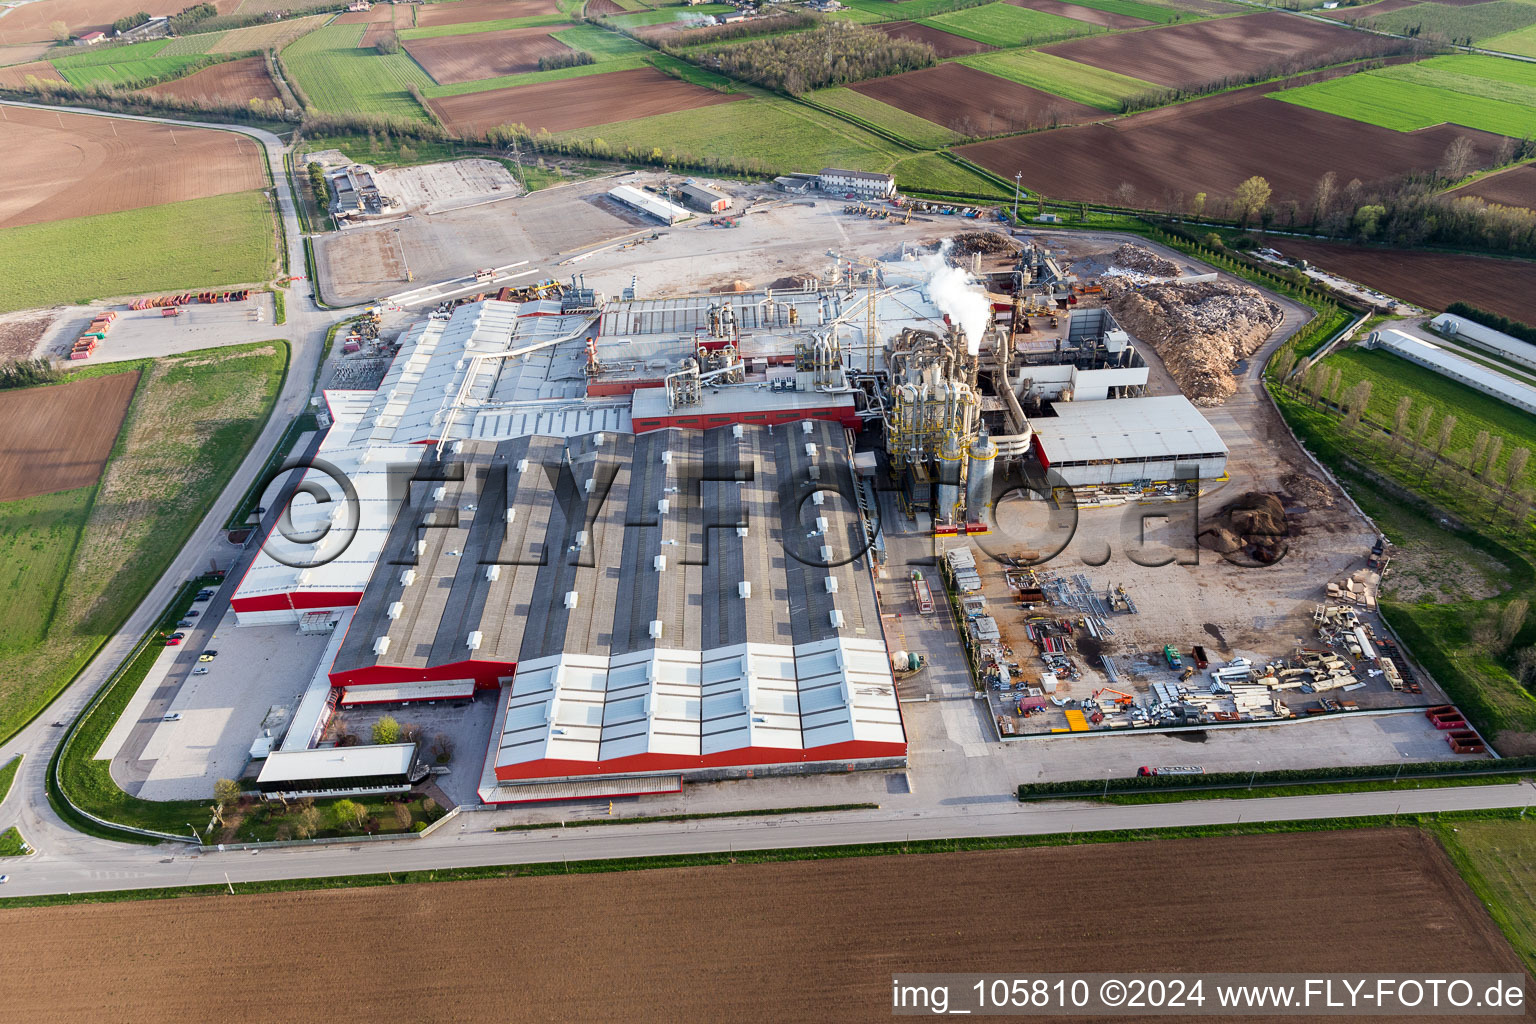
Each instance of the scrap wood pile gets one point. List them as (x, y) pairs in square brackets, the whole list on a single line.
[(988, 243), (1134, 257), (1201, 331), (1253, 526)]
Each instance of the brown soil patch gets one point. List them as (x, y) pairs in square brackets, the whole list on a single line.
[(631, 946), (20, 333), (58, 437), (384, 13), (30, 23), (235, 81), (16, 75), (973, 102), (600, 8), (576, 102), (1212, 144), (24, 52), (945, 44), (1514, 187), (1433, 280), (1105, 19), (453, 59), (1185, 56), (1368, 10), (62, 165), (467, 12)]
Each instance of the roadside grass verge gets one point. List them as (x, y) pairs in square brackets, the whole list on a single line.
[(197, 243), (653, 818), (8, 775), (192, 420), (909, 848), (940, 173), (11, 843), (1315, 789)]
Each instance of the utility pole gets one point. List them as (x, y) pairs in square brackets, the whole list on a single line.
[(1018, 181)]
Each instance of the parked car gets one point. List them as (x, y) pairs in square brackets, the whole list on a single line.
[(172, 641), (200, 670), (172, 716), (191, 613), (184, 623), (4, 879), (178, 636), (207, 656), (200, 598)]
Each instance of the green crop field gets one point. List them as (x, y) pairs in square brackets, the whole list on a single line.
[(474, 28), (667, 15), (1408, 97), (932, 172), (129, 73), (601, 43), (187, 46), (1457, 24), (1498, 860), (916, 130), (1522, 42), (219, 240), (903, 10), (192, 420), (1159, 13), (769, 134), (669, 64), (1001, 24), (339, 77), (1061, 77), (114, 54)]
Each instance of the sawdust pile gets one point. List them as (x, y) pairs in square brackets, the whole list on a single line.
[(989, 243), (1252, 527), (1200, 331), (1134, 257)]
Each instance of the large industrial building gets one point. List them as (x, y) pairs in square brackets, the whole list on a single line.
[(638, 524), (1458, 368)]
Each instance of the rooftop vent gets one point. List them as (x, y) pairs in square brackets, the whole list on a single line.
[(581, 539), (737, 431), (806, 426), (438, 492), (511, 514), (741, 531), (660, 562), (396, 609), (571, 598), (655, 629), (821, 524), (826, 553), (473, 640), (810, 449), (817, 498), (493, 573), (522, 465), (407, 577), (836, 616), (666, 458), (664, 506), (381, 646), (599, 439), (831, 584), (744, 588)]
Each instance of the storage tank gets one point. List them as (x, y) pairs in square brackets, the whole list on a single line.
[(978, 483), (899, 661), (950, 458)]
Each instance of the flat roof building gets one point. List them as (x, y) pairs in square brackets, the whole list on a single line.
[(655, 206), (1458, 368), (706, 197), (860, 183), (1127, 440)]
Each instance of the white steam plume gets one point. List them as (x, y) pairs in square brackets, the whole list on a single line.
[(955, 293)]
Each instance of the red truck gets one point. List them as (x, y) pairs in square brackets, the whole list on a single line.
[(921, 592)]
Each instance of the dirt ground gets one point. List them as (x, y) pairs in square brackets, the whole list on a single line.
[(973, 102), (576, 102), (30, 23), (17, 74), (1430, 279), (1077, 12), (811, 940), (1514, 187), (453, 59), (1188, 55), (945, 44), (466, 12), (23, 52), (62, 165), (236, 81), (58, 438), (1213, 144), (598, 8), (20, 333)]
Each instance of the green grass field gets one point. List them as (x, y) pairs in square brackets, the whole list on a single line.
[(11, 843), (1457, 24), (613, 52), (668, 64), (339, 77), (130, 73), (1498, 860), (1522, 42), (767, 133), (37, 539), (191, 422), (1487, 93), (1003, 24), (667, 15), (219, 240), (601, 43), (934, 172), (1158, 13), (474, 28), (1060, 77), (136, 62), (903, 10), (916, 130)]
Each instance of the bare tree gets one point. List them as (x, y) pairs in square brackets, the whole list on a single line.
[(1525, 665), (1322, 195), (1514, 471), (403, 815), (1485, 632), (1400, 422), (442, 748), (1442, 438), (1459, 159), (1479, 448), (1126, 193), (1512, 620), (1285, 362), (307, 822), (1495, 449), (60, 31)]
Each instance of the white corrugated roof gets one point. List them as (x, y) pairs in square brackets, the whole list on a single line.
[(1165, 426), (337, 763), (1507, 389)]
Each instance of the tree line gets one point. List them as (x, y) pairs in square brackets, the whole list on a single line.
[(836, 53), (1369, 49), (1513, 328), (26, 373)]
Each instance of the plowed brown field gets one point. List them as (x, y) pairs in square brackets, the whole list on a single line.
[(16, 75), (808, 941), (598, 8), (973, 102), (576, 102), (1212, 144), (945, 44), (235, 81), (465, 12), (452, 59), (31, 23), (1185, 56), (1433, 280), (1369, 10), (1077, 12), (1516, 187), (58, 437), (60, 165)]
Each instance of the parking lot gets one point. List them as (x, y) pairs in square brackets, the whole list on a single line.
[(147, 333)]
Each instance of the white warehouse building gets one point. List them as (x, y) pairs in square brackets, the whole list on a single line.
[(1472, 333), (1127, 440), (1447, 364)]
